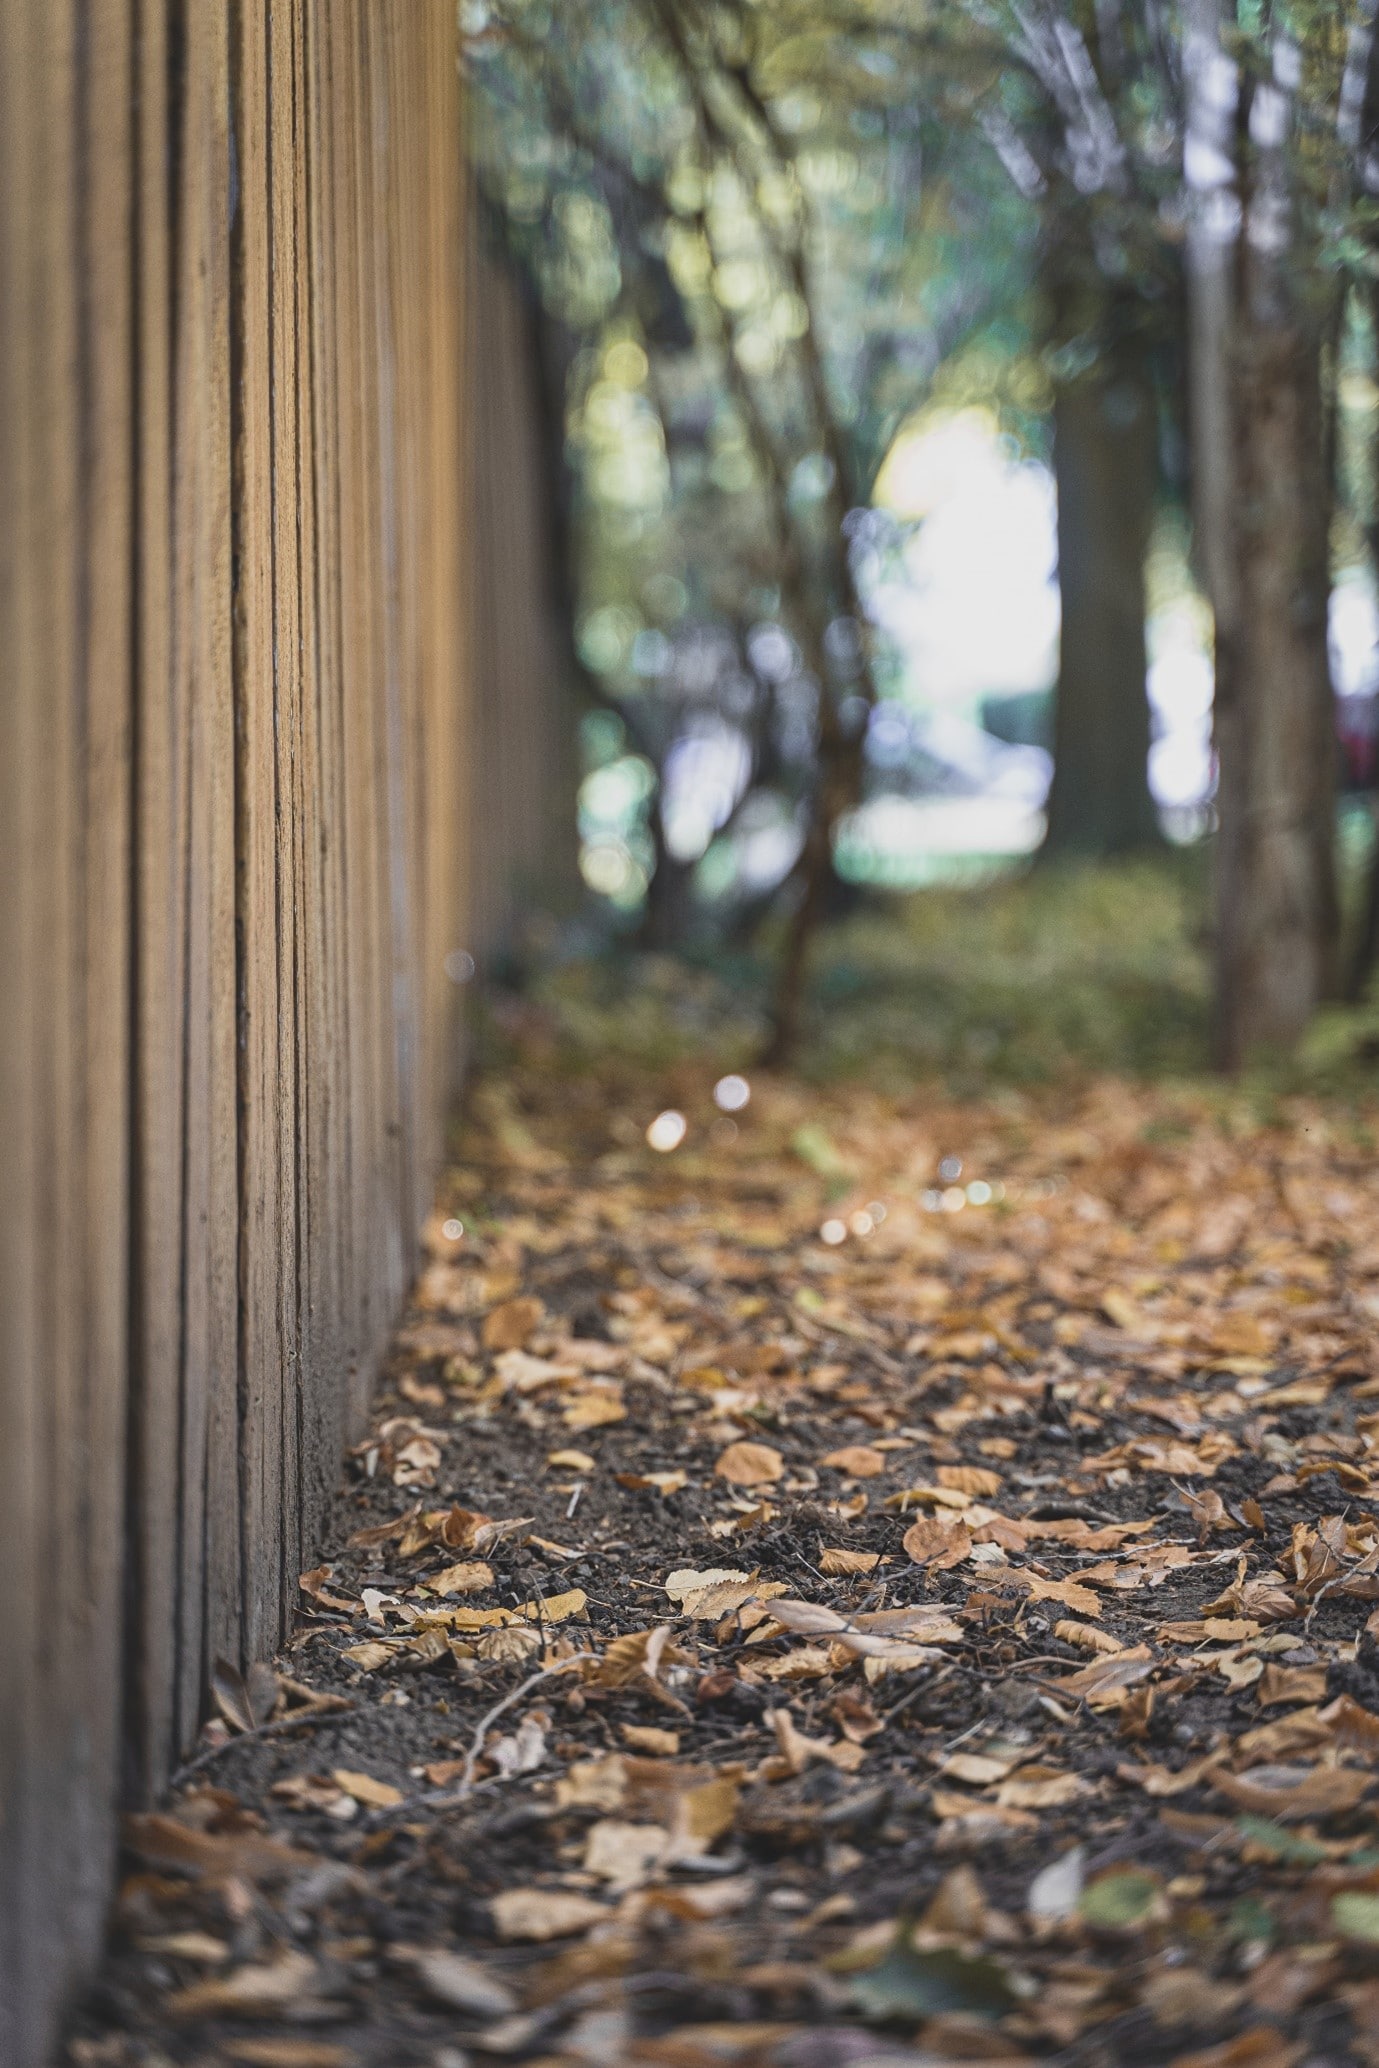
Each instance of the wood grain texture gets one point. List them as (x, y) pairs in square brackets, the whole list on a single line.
[(65, 809), (233, 547)]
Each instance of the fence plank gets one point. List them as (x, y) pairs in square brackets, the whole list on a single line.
[(184, 1551), (236, 794), (65, 632)]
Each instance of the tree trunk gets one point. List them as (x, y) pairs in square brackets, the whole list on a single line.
[(1104, 463), (1276, 889), (1261, 502)]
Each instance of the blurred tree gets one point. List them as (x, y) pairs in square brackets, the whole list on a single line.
[(1266, 137), (761, 234), (742, 218)]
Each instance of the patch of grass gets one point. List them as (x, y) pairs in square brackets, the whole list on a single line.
[(1059, 972), (1044, 978)]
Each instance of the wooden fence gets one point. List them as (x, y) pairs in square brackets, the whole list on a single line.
[(243, 668)]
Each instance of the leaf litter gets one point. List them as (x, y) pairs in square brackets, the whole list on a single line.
[(954, 1640)]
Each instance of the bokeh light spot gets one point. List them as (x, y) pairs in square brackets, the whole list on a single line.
[(667, 1131)]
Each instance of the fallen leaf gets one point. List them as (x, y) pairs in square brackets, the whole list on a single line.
[(834, 1562), (928, 1541), (908, 1983), (1263, 2046), (469, 1577), (749, 1464), (369, 1657), (286, 2053), (858, 1460), (458, 1982), (512, 1326), (245, 1700), (1069, 1592), (969, 1479), (622, 1854), (364, 1788), (1351, 1724), (254, 1991), (979, 1769), (798, 1751), (1087, 1637), (1291, 1684), (648, 1738), (654, 1482), (1056, 1890), (595, 1407), (1123, 1900), (705, 1596), (1039, 1788), (167, 1842), (537, 1914), (1288, 1792)]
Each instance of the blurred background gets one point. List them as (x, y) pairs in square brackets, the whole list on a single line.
[(942, 399)]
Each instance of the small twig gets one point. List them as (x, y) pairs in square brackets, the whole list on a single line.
[(490, 1717), (300, 1719)]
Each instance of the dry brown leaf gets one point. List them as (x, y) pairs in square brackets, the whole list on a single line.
[(622, 1854), (512, 1326), (653, 1482), (798, 1751), (719, 1591), (749, 1464), (467, 1578), (313, 1585), (373, 1654), (978, 1769), (975, 1480), (648, 1738), (537, 1915), (167, 1842), (1037, 1787), (286, 2053), (1278, 1684), (858, 1460), (805, 1662), (1289, 1792), (245, 1700), (458, 1982), (928, 1541), (1108, 1677), (595, 1407), (1162, 1781), (1262, 2046), (1087, 1637), (1351, 1724), (255, 1991), (1069, 1592), (835, 1561), (364, 1788)]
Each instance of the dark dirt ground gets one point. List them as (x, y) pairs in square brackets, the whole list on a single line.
[(930, 1754)]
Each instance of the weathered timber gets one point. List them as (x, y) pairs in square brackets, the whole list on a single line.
[(260, 469)]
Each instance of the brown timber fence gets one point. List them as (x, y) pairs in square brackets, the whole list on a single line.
[(272, 587)]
